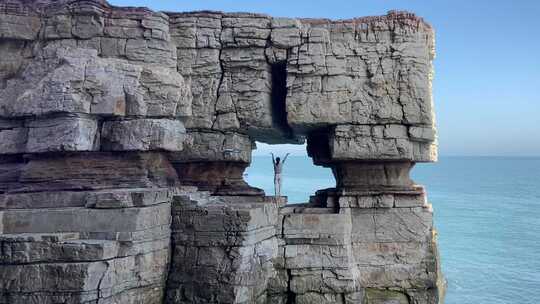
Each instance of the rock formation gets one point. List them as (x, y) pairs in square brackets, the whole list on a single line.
[(124, 135)]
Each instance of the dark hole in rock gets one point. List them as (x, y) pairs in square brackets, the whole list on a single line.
[(279, 97), (318, 147)]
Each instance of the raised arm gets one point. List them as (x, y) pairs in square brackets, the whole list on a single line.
[(273, 159), (285, 158)]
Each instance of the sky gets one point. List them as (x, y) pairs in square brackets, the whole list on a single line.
[(487, 69)]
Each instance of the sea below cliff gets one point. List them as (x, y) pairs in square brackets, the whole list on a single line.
[(487, 213)]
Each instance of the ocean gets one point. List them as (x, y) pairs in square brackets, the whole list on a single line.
[(487, 213)]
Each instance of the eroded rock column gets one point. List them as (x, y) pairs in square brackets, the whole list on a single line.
[(361, 91)]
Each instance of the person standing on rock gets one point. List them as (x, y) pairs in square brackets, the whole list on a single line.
[(278, 169)]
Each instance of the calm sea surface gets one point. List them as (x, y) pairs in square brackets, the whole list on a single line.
[(487, 213)]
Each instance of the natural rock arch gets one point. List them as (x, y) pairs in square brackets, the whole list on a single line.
[(124, 134)]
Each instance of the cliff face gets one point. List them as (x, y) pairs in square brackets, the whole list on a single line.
[(124, 134)]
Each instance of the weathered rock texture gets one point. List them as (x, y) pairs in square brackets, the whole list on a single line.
[(124, 135)]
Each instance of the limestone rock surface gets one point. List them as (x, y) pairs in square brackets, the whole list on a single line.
[(125, 134), (143, 135)]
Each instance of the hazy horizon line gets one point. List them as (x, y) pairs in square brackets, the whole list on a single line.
[(440, 156)]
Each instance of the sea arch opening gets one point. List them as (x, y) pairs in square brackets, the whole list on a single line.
[(301, 178)]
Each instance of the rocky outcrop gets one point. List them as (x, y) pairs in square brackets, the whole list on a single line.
[(124, 135)]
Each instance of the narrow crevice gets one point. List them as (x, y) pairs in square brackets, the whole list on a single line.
[(99, 292), (291, 296), (283, 225), (399, 101), (279, 97), (219, 92), (221, 78)]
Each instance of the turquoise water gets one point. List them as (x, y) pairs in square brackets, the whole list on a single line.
[(487, 212)]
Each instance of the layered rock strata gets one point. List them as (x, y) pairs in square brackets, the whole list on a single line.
[(124, 135), (89, 97)]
